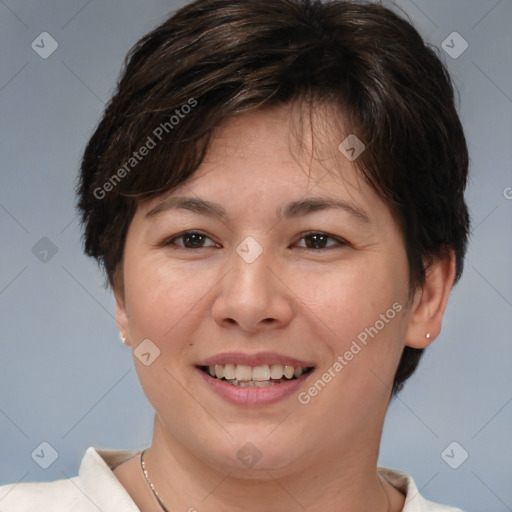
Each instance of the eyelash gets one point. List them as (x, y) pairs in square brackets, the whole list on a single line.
[(171, 241)]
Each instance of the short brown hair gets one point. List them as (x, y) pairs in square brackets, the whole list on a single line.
[(225, 57)]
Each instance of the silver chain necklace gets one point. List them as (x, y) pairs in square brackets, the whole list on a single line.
[(151, 486)]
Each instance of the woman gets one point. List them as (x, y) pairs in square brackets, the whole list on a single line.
[(276, 193)]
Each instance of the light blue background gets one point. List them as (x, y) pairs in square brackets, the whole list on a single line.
[(65, 377)]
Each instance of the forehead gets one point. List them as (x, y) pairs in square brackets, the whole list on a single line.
[(271, 159), (286, 142), (295, 128)]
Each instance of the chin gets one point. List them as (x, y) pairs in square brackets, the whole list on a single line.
[(253, 455)]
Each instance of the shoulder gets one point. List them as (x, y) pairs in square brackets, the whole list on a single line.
[(95, 488), (414, 501), (57, 496)]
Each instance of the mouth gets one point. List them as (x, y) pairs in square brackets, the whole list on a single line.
[(260, 376)]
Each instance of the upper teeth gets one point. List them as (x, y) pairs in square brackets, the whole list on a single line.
[(241, 372)]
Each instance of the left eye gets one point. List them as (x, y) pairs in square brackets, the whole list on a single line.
[(319, 241), (191, 240)]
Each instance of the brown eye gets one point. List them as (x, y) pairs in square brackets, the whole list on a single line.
[(319, 241), (191, 240)]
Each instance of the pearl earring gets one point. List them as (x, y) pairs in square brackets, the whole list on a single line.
[(123, 338), (427, 335)]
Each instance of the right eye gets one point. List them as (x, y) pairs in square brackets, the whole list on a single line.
[(190, 240)]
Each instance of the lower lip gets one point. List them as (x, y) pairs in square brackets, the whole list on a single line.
[(254, 396)]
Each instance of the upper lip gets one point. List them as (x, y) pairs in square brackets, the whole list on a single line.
[(258, 359)]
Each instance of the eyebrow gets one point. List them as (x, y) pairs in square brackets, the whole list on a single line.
[(314, 204), (192, 204), (291, 210)]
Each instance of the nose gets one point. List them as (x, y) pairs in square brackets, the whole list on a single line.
[(253, 296)]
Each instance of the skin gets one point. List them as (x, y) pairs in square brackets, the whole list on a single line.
[(308, 303)]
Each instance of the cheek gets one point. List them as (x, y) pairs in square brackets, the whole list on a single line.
[(160, 296), (165, 305), (347, 300)]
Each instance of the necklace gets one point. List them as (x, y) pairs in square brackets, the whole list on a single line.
[(164, 508), (151, 486)]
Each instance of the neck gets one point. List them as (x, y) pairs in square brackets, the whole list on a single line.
[(346, 480)]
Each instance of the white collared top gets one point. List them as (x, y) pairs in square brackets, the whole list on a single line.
[(97, 488)]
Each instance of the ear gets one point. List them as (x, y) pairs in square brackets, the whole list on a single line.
[(121, 313), (429, 303)]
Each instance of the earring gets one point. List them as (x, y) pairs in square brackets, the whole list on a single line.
[(123, 338), (427, 335)]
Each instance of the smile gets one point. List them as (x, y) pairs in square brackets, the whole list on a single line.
[(243, 375)]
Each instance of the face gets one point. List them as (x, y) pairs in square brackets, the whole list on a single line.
[(277, 269)]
